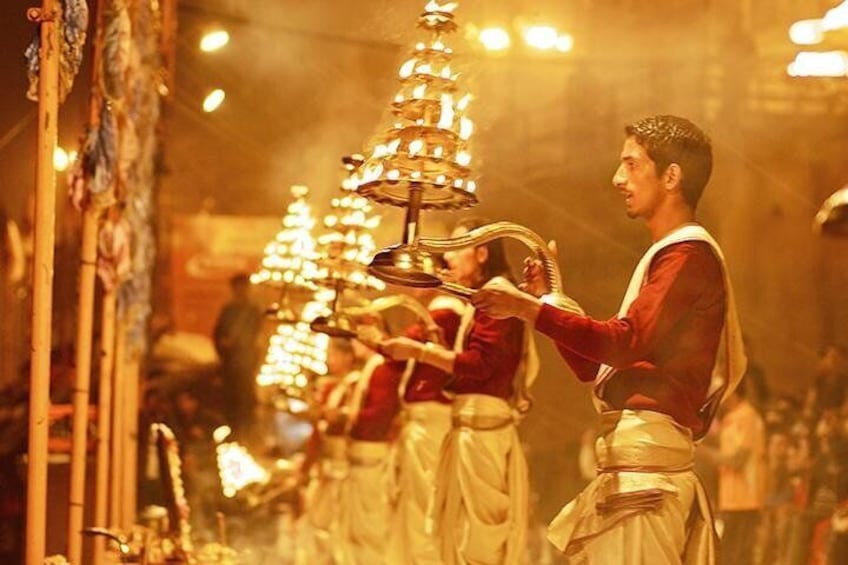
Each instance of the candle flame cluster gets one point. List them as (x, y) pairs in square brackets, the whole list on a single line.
[(348, 246), (290, 257), (294, 352), (238, 469), (426, 147)]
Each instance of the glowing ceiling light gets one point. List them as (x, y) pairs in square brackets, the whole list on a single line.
[(564, 43), (214, 40), (806, 32), (61, 159), (541, 37), (836, 18), (213, 100), (819, 64), (494, 38)]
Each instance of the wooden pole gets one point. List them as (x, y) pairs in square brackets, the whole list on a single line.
[(79, 438), (116, 466), (42, 284), (104, 424), (130, 470), (85, 323)]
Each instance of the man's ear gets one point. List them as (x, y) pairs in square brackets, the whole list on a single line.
[(673, 177), (481, 254)]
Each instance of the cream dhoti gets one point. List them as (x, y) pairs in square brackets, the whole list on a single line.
[(417, 455), (646, 504), (364, 510), (479, 512), (324, 497)]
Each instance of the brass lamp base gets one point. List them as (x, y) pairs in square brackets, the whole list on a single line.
[(334, 325), (281, 314), (405, 265)]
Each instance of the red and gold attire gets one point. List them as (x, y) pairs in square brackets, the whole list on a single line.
[(480, 507), (380, 404), (364, 519), (652, 366), (325, 488), (426, 421), (665, 347)]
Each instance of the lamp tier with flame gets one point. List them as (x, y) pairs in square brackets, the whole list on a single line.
[(346, 251), (289, 258), (347, 247), (236, 467), (295, 353), (426, 148)]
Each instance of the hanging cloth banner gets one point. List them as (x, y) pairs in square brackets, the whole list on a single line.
[(114, 260), (117, 40), (72, 20), (92, 178)]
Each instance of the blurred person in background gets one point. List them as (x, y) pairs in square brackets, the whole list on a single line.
[(741, 476), (236, 338), (831, 382)]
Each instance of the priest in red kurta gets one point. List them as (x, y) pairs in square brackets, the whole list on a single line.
[(674, 342), (426, 415), (365, 499), (480, 506)]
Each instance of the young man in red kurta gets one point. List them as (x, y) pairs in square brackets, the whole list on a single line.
[(652, 365), (479, 514)]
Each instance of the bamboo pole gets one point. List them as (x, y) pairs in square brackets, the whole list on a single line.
[(104, 417), (130, 471), (42, 285), (85, 323), (79, 438), (116, 467)]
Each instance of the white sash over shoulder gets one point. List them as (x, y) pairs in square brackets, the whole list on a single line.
[(730, 359)]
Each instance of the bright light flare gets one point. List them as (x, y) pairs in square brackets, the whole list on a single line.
[(819, 64), (221, 433), (61, 159), (564, 43), (541, 37), (806, 32), (494, 38), (214, 40), (237, 468), (836, 18), (213, 100)]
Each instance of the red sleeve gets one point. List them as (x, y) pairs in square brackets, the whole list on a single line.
[(494, 347), (584, 369), (382, 403), (675, 281), (312, 450)]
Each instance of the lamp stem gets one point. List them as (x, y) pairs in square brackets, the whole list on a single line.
[(413, 209)]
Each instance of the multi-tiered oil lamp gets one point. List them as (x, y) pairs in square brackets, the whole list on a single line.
[(422, 161), (289, 260), (346, 249)]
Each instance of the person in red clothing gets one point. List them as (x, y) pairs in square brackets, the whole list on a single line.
[(479, 514), (326, 463), (426, 411), (658, 368), (372, 409)]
